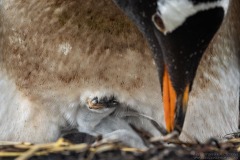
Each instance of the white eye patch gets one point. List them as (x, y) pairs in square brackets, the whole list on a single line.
[(173, 13)]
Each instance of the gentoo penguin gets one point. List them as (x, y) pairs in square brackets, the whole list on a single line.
[(196, 46), (61, 59)]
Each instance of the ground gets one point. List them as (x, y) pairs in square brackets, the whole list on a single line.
[(80, 146)]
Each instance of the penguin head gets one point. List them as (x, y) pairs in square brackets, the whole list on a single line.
[(184, 30)]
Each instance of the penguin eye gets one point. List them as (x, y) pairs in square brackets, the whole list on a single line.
[(95, 100), (157, 20)]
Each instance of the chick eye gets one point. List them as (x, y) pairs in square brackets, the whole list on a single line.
[(94, 100)]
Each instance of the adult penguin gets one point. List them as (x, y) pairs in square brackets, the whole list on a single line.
[(195, 45)]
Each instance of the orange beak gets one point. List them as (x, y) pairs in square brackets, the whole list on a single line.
[(170, 101)]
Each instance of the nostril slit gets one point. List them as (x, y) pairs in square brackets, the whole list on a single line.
[(157, 20)]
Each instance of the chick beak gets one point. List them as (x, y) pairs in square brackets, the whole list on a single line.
[(182, 50)]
